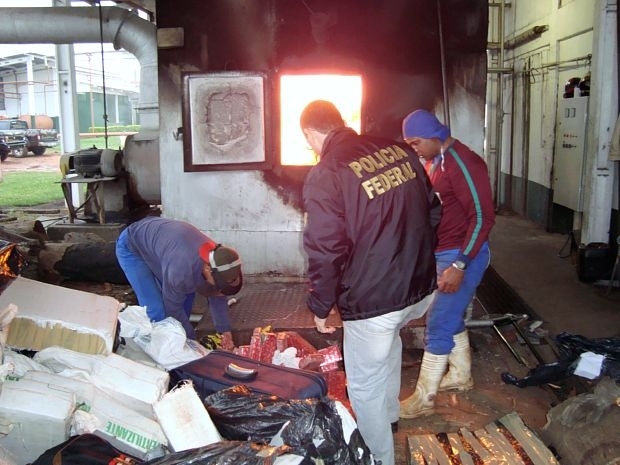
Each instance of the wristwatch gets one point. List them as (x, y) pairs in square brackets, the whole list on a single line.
[(459, 265)]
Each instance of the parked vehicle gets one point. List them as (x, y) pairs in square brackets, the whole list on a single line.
[(13, 134), (4, 151), (38, 140)]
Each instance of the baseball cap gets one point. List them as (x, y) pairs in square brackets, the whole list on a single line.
[(225, 266)]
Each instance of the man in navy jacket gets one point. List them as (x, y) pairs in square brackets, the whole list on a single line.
[(369, 237), (167, 261)]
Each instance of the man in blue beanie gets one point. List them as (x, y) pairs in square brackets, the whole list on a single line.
[(461, 181)]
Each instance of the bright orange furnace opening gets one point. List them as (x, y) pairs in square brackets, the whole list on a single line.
[(296, 91)]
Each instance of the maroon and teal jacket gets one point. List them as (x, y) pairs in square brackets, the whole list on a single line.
[(461, 180)]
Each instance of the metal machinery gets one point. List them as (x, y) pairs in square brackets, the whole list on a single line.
[(104, 198)]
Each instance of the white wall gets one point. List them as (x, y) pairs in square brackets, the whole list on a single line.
[(549, 61), (17, 96), (122, 77), (540, 67), (236, 208)]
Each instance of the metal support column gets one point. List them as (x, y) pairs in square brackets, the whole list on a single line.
[(599, 178)]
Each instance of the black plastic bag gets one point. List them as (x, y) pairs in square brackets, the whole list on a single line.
[(85, 449), (241, 415), (320, 435), (223, 453), (542, 374), (12, 261), (314, 429), (570, 348)]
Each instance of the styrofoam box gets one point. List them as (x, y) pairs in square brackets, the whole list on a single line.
[(33, 418), (49, 315), (111, 373), (88, 395), (185, 420), (137, 432)]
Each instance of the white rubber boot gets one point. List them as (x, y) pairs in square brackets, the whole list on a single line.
[(422, 401), (458, 377)]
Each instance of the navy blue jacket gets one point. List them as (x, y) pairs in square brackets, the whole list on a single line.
[(370, 227)]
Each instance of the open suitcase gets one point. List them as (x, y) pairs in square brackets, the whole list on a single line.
[(220, 369)]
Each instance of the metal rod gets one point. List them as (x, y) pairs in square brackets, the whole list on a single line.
[(527, 341), (615, 268), (510, 348), (444, 77)]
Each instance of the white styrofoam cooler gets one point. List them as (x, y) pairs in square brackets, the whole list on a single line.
[(49, 315)]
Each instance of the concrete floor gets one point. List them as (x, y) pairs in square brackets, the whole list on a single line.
[(529, 274), (535, 265)]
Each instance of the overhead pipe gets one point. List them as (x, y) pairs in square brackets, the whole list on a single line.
[(444, 77), (531, 34)]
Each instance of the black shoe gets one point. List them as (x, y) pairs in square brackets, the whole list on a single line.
[(394, 427)]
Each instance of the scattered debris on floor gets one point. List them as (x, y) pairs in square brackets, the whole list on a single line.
[(507, 441), (63, 380), (584, 429), (117, 384)]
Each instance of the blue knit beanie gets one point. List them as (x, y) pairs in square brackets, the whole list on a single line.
[(424, 125)]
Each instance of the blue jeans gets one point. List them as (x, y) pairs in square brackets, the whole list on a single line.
[(143, 282), (445, 317)]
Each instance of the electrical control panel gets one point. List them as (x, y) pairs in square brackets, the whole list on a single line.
[(569, 154)]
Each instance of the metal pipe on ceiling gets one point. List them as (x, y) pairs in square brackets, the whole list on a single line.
[(444, 77)]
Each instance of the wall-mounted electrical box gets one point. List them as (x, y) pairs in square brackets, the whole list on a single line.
[(569, 154)]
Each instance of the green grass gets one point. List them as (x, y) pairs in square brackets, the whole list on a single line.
[(25, 189), (30, 188), (114, 142)]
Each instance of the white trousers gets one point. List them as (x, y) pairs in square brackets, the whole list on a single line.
[(372, 359)]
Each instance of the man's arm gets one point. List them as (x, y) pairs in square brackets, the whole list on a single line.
[(472, 189), (173, 303), (325, 240), (218, 305)]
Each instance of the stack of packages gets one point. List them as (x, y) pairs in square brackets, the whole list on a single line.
[(290, 349)]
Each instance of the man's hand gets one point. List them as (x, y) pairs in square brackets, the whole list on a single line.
[(227, 341), (321, 325), (450, 280)]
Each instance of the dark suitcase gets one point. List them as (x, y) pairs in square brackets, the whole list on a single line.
[(220, 370)]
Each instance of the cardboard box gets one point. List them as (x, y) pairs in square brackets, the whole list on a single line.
[(49, 315), (33, 418)]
